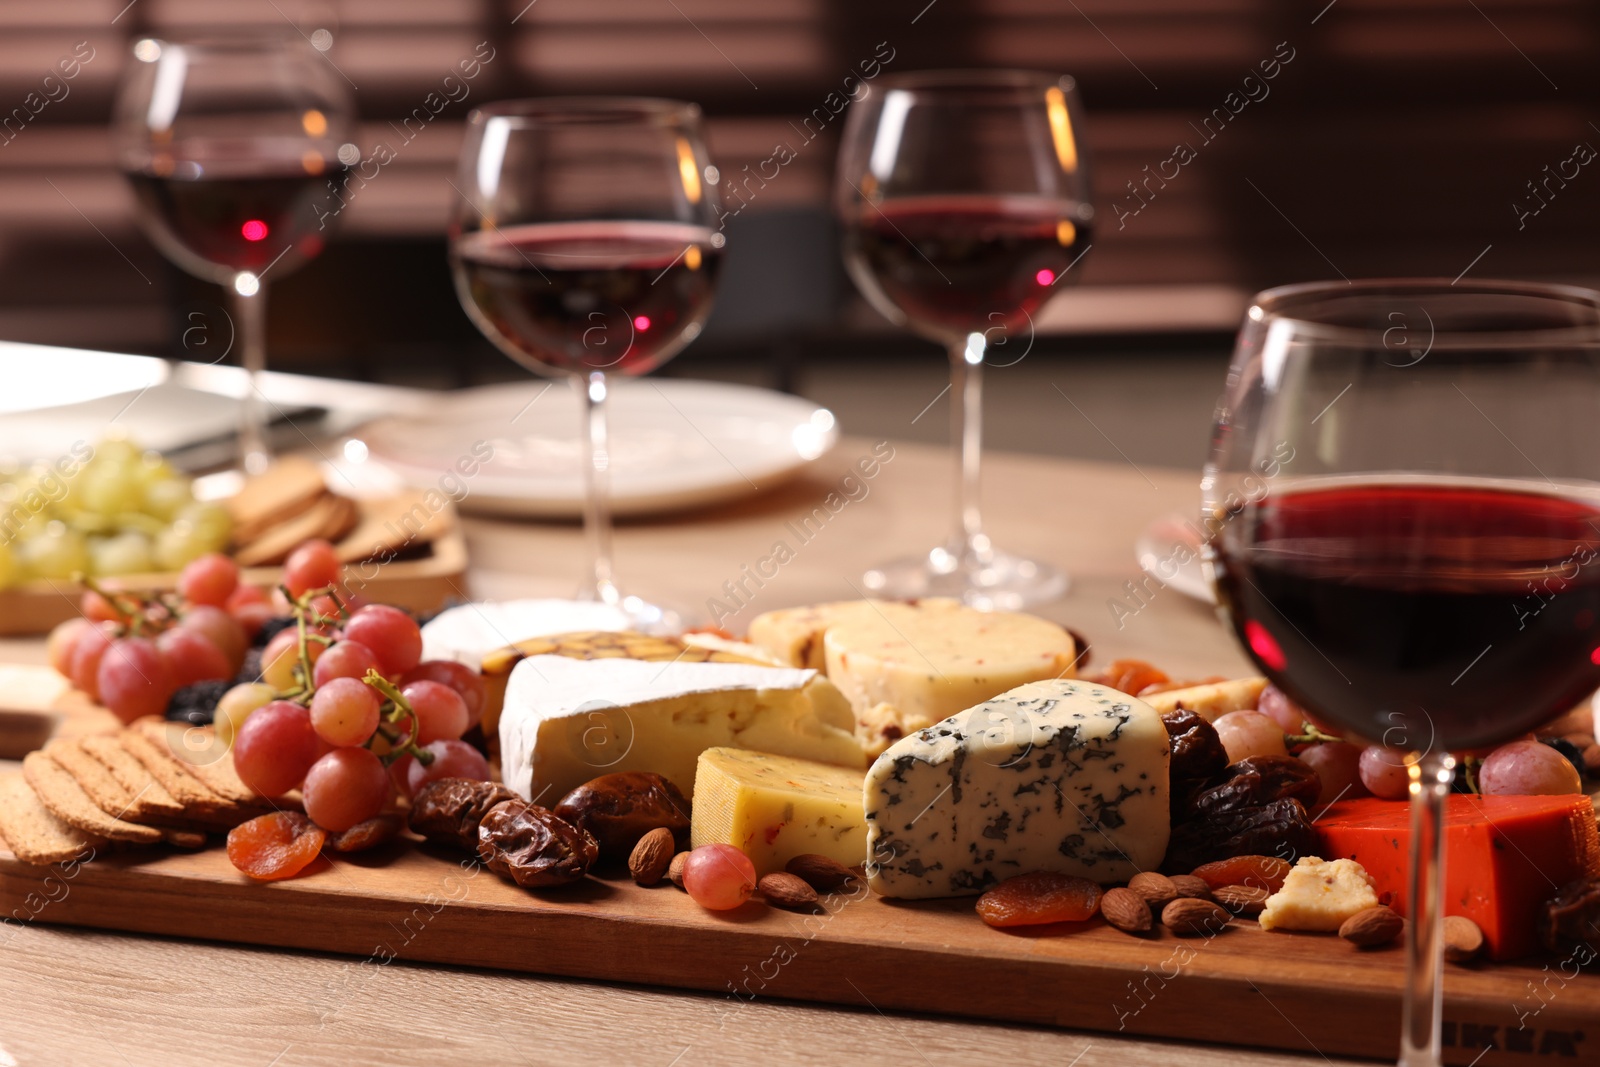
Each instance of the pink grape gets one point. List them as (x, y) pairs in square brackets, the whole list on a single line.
[(467, 683), (209, 579), (1250, 733), (719, 876), (63, 641), (192, 657), (275, 747), (281, 658), (1528, 768), (345, 712), (220, 628), (96, 608), (252, 617), (246, 594), (313, 565), (86, 655), (451, 759), (1275, 704), (441, 713), (1384, 772), (393, 636), (344, 659), (345, 787), (1338, 765), (133, 679)]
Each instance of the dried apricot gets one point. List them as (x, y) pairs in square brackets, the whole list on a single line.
[(1130, 675), (1178, 683), (1039, 897), (1261, 872), (275, 846)]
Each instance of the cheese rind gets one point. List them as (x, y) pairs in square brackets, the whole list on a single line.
[(776, 808), (468, 632), (567, 721), (1059, 776)]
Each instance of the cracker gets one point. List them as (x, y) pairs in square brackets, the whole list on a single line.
[(192, 840), (61, 793), (32, 833), (204, 807), (133, 776), (287, 488), (330, 518), (195, 796), (95, 778), (387, 526), (199, 752)]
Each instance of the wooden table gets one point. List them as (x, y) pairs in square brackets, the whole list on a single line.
[(78, 996)]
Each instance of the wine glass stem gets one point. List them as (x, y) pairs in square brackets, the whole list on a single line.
[(966, 435), (250, 324), (597, 485), (1431, 776)]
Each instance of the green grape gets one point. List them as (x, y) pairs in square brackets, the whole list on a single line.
[(139, 522), (115, 451), (108, 490), (9, 572), (127, 553), (153, 467), (166, 497), (57, 552), (211, 522), (177, 545)]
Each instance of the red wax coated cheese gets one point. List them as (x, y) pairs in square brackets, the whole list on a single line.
[(1504, 856)]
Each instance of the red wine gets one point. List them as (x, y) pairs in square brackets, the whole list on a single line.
[(1451, 615), (955, 264), (239, 216), (579, 296)]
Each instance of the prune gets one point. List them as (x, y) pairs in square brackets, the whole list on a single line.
[(533, 846), (368, 834), (1252, 782), (448, 810), (1570, 918), (618, 809), (1197, 751), (1280, 829)]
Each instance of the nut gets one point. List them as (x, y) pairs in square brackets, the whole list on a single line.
[(1373, 927), (675, 868), (819, 872), (1126, 910), (1192, 917), (1241, 899), (784, 890), (1156, 889), (1187, 885), (652, 856), (1462, 939)]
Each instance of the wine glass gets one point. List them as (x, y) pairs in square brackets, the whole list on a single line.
[(238, 152), (585, 243), (964, 201), (1403, 503)]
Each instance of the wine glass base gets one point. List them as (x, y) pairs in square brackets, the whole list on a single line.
[(991, 581)]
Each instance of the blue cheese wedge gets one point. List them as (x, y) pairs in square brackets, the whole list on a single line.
[(566, 721), (1058, 775)]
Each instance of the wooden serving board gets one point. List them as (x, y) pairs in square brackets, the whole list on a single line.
[(1304, 993), (424, 585)]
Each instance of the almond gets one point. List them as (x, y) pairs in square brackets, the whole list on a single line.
[(1192, 887), (784, 890), (675, 869), (1192, 917), (1156, 889), (1373, 927), (652, 856), (1126, 910), (1462, 939), (819, 872), (1241, 899)]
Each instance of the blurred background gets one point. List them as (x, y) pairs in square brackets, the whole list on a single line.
[(1393, 137)]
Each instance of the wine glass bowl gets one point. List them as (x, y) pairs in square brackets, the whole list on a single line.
[(964, 203), (585, 243), (1403, 509), (237, 150)]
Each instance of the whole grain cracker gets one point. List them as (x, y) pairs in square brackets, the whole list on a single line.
[(32, 832), (133, 776), (199, 752), (195, 796), (96, 779), (66, 799)]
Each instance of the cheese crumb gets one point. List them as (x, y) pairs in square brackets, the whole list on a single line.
[(1319, 895)]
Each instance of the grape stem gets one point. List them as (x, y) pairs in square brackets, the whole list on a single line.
[(303, 611), (1309, 734), (400, 709), (130, 609)]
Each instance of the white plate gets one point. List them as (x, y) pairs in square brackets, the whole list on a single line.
[(674, 444), (1169, 551)]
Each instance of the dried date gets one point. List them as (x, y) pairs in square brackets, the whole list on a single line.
[(448, 810), (533, 846), (1252, 783), (1281, 828), (1568, 921), (618, 809), (1197, 752)]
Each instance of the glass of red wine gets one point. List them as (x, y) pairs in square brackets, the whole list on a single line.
[(964, 202), (584, 244), (238, 152), (1403, 509)]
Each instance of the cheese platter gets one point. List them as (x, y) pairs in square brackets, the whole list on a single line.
[(907, 806)]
